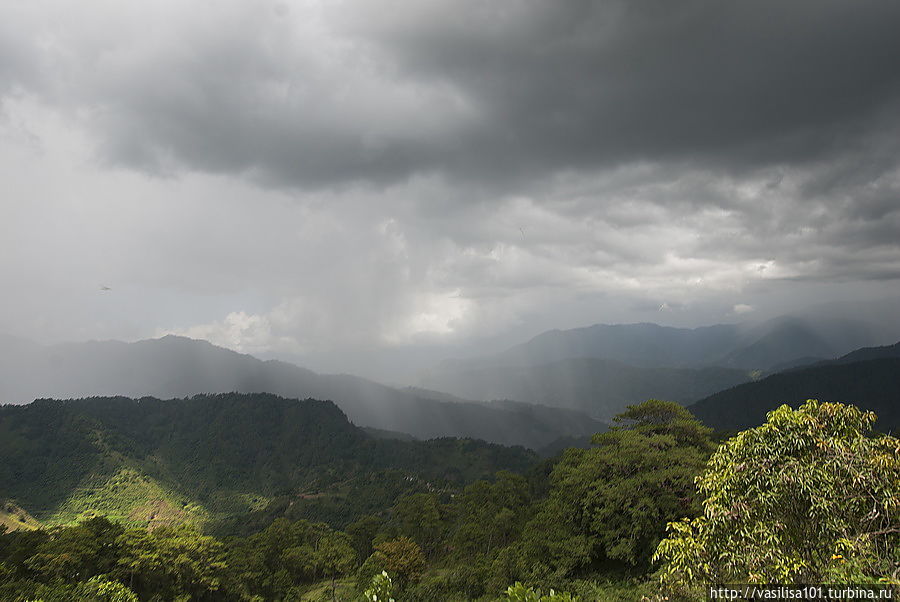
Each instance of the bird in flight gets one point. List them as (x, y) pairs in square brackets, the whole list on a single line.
[(105, 288)]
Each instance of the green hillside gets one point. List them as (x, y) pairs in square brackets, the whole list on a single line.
[(127, 496), (872, 385), (155, 462)]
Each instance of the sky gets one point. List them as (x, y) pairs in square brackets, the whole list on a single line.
[(360, 186)]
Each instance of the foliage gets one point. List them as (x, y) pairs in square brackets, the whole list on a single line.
[(101, 589), (611, 502), (91, 548), (490, 516), (808, 497), (218, 456), (520, 593), (381, 589), (172, 562), (403, 558), (289, 554), (418, 516), (327, 515), (12, 517), (127, 496), (336, 556), (362, 534)]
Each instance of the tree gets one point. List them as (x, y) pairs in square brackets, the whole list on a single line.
[(612, 502), (418, 516), (287, 555), (403, 559), (77, 552), (362, 533), (808, 497), (335, 556), (490, 515), (173, 562), (100, 589)]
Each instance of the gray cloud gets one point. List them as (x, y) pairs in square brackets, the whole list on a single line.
[(361, 92), (592, 82), (344, 178)]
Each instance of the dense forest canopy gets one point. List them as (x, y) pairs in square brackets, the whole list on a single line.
[(292, 502), (208, 457)]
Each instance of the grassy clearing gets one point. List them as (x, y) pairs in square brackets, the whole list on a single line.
[(130, 498)]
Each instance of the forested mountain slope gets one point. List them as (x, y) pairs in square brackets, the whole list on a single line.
[(870, 384), (190, 460)]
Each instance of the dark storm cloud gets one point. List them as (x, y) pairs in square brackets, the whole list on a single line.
[(487, 92), (582, 83)]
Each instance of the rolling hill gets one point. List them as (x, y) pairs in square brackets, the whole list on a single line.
[(154, 462)]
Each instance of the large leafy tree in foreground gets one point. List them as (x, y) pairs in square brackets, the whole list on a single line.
[(811, 496), (611, 502)]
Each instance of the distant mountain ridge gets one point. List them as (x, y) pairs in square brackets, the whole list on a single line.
[(602, 368), (869, 353), (741, 346), (599, 387), (178, 367), (642, 345)]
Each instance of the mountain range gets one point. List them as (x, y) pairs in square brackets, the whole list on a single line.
[(561, 384), (602, 368), (746, 346), (178, 367)]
